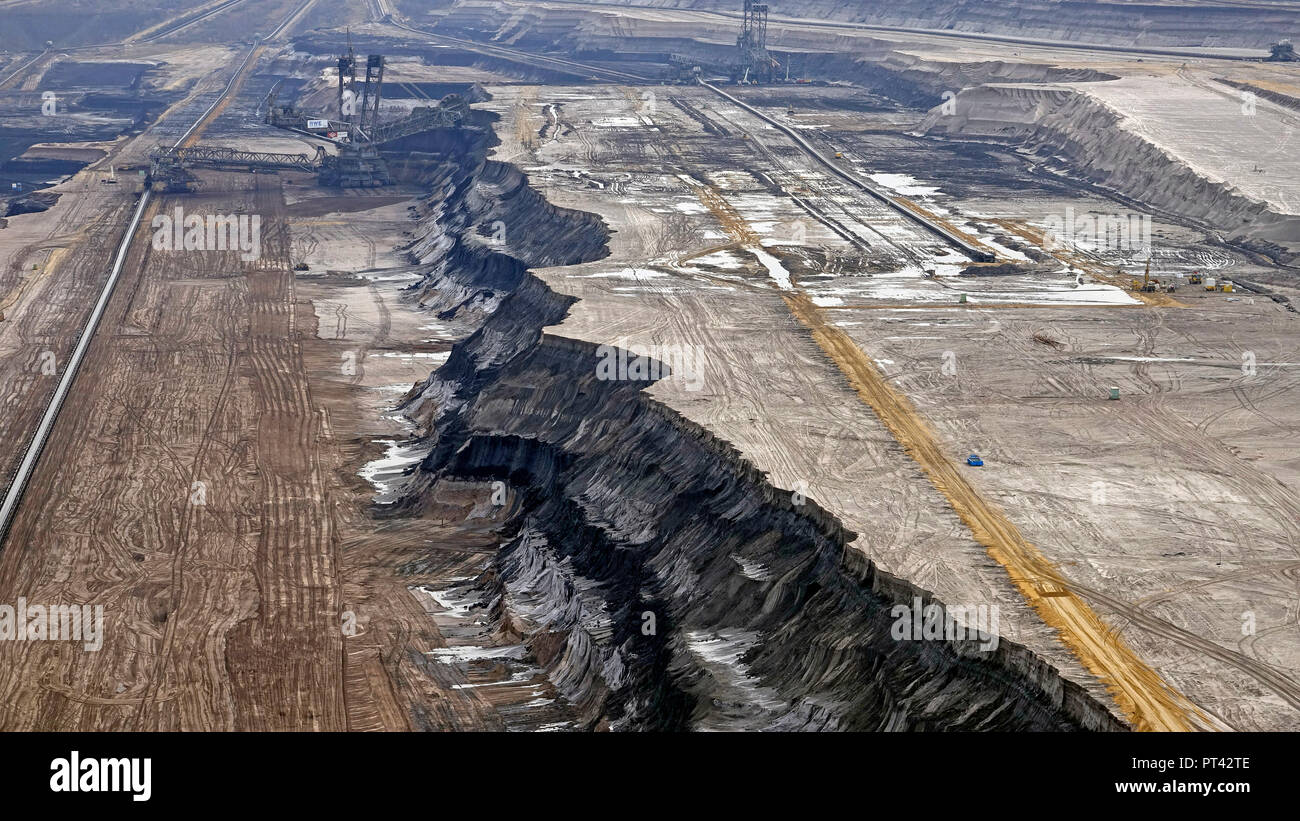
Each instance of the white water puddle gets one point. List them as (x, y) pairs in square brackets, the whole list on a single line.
[(455, 605), (914, 289), (904, 184), (438, 356), (458, 610), (467, 653), (720, 654), (1082, 295), (519, 677), (384, 472), (753, 570), (775, 269), (725, 260), (554, 727)]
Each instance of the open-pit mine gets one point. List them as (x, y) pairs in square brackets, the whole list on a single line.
[(675, 365)]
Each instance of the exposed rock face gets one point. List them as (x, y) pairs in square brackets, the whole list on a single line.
[(857, 57), (1089, 21), (30, 204), (919, 82), (484, 217), (651, 573), (1079, 129)]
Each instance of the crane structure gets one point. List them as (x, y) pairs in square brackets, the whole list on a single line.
[(358, 134), (358, 164), (169, 166), (201, 155), (347, 79), (371, 91), (756, 64), (360, 112)]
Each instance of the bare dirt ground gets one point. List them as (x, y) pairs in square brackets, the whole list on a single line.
[(190, 488), (202, 482), (1129, 506), (53, 271), (211, 480)]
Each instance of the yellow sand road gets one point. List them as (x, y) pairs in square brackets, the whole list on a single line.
[(1146, 700)]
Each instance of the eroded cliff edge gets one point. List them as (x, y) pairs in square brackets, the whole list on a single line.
[(646, 569)]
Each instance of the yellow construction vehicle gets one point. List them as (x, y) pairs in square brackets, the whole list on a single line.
[(1195, 278), (1226, 286), (1147, 284)]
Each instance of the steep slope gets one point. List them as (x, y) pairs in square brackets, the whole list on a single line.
[(653, 576)]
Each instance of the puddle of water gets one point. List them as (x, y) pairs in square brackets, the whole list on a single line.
[(385, 472)]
